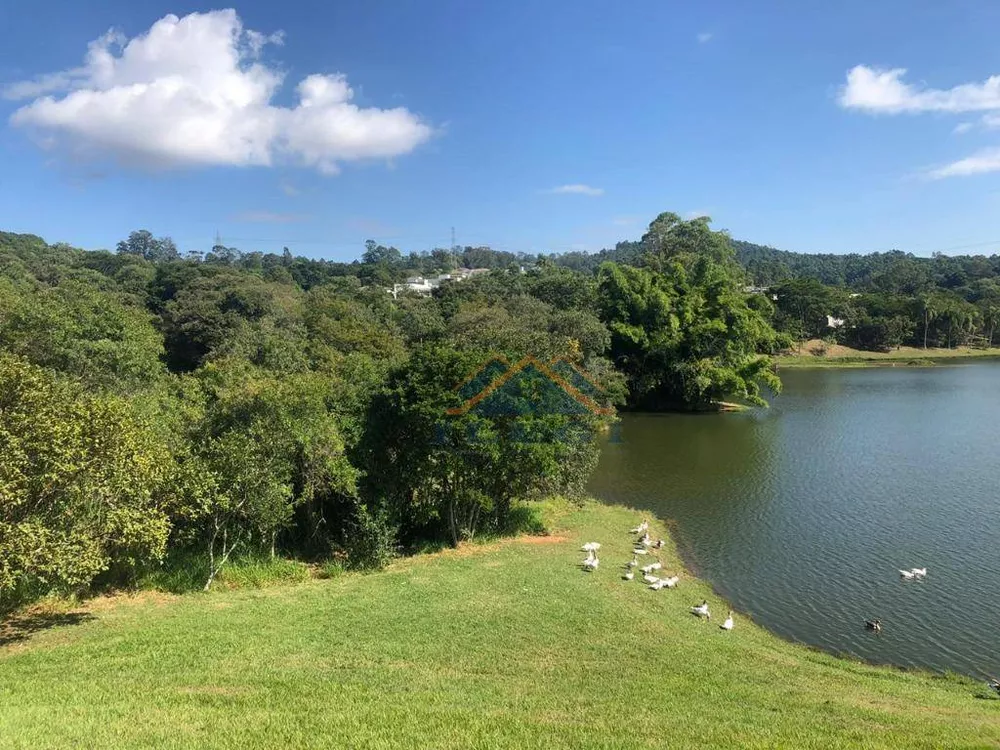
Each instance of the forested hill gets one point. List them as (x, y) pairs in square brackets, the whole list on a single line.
[(896, 270), (766, 266)]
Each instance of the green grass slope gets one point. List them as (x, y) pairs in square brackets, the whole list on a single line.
[(506, 645)]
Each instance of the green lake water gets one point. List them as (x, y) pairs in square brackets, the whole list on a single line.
[(801, 514)]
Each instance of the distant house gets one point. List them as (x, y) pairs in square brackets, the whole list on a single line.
[(750, 289), (424, 285)]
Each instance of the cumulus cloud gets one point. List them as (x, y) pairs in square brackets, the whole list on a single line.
[(883, 91), (576, 190), (879, 90), (194, 91)]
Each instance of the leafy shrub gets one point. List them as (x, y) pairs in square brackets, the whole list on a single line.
[(187, 571), (259, 572), (372, 539)]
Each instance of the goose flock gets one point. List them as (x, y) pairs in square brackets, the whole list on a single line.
[(642, 547)]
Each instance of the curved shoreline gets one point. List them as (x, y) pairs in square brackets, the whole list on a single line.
[(500, 643), (905, 357), (686, 554)]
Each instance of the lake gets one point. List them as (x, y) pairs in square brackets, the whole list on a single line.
[(802, 514)]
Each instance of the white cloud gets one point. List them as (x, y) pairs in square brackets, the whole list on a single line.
[(576, 190), (883, 91), (704, 37), (981, 162), (269, 217), (289, 188), (193, 91)]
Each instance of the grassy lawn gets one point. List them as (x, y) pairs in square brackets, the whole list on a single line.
[(505, 645)]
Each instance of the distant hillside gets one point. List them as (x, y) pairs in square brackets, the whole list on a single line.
[(895, 270)]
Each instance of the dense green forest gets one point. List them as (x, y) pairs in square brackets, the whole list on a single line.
[(882, 300), (165, 410)]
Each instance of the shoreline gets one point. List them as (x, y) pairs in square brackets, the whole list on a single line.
[(900, 358), (503, 629), (691, 567)]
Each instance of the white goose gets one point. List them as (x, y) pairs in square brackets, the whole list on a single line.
[(633, 562), (641, 528), (591, 547), (651, 567), (728, 624), (650, 579), (907, 575), (662, 583), (919, 572), (629, 575), (591, 563), (639, 551), (702, 610), (671, 582)]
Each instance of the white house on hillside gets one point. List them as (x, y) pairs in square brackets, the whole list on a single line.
[(425, 285)]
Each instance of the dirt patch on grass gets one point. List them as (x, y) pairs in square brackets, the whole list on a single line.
[(143, 598), (468, 549), (550, 539), (818, 351)]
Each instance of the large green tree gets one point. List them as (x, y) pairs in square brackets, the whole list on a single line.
[(683, 330)]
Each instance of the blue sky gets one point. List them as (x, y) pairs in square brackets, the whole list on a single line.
[(525, 125)]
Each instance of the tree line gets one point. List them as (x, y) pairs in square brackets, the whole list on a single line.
[(167, 409), (881, 300)]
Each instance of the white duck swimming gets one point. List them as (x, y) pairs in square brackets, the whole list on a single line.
[(919, 572), (907, 575), (702, 610), (728, 624)]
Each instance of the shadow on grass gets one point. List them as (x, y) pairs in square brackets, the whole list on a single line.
[(21, 627)]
